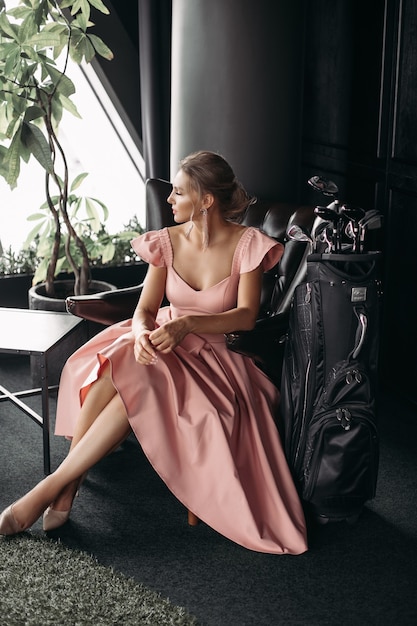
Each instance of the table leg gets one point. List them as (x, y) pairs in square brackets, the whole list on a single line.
[(45, 416)]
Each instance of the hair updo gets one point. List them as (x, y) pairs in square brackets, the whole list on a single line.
[(210, 173)]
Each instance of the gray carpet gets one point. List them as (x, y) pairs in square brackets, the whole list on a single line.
[(125, 517), (44, 582)]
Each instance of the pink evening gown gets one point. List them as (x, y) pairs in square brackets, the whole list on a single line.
[(202, 414)]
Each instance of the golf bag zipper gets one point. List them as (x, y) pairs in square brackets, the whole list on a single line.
[(309, 377), (340, 410)]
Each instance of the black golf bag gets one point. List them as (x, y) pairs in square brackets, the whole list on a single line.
[(329, 382)]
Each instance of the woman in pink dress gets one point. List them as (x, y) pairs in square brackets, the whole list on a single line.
[(203, 415)]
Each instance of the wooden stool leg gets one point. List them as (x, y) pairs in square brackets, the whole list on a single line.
[(192, 519)]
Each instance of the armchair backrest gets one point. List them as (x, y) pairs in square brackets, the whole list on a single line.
[(272, 218), (158, 211)]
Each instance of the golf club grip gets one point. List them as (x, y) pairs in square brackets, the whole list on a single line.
[(360, 333)]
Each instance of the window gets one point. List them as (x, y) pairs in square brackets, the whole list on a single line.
[(99, 144)]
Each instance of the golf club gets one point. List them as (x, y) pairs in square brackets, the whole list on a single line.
[(330, 215), (298, 233), (372, 220), (323, 235), (354, 214), (324, 185), (353, 221)]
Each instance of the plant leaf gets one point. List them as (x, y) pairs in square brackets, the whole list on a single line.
[(33, 113), (44, 39), (28, 28), (35, 141), (3, 161), (93, 215), (101, 48), (103, 207), (62, 83), (97, 4), (108, 252), (13, 160), (81, 47), (78, 180), (127, 235), (32, 234), (34, 217), (7, 28), (12, 60), (81, 21), (3, 121), (69, 106), (40, 273)]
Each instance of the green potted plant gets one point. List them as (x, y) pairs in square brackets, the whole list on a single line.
[(88, 217), (112, 258), (37, 40)]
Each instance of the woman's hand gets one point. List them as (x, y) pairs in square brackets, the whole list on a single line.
[(167, 337), (143, 350)]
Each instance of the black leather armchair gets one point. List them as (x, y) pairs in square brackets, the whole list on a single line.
[(265, 343)]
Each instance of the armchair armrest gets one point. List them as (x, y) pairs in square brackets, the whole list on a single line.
[(264, 343), (262, 339), (107, 307)]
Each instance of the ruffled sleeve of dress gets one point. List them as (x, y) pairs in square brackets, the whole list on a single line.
[(154, 247), (256, 248)]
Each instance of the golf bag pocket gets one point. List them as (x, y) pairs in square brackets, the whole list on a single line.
[(340, 463)]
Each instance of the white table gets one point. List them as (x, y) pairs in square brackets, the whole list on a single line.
[(39, 333)]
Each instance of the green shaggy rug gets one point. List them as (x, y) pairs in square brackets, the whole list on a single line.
[(43, 583)]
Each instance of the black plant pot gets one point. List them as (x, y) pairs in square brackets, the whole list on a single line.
[(39, 301), (14, 290)]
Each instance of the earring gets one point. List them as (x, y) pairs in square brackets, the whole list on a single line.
[(205, 233)]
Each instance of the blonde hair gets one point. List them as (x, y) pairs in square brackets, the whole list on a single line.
[(209, 172)]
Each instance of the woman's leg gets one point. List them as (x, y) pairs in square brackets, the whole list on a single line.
[(97, 398), (99, 395), (109, 428)]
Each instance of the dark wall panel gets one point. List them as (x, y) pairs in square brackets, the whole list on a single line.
[(328, 69), (399, 349), (360, 129), (405, 94)]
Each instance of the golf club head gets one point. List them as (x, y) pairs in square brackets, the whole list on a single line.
[(326, 213), (331, 214), (352, 212), (323, 235), (349, 230), (324, 185), (298, 233)]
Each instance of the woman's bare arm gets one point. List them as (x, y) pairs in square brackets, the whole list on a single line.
[(243, 317), (143, 321)]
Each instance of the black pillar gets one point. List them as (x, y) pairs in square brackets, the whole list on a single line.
[(155, 51), (237, 74)]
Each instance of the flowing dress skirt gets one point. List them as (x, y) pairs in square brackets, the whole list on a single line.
[(203, 416)]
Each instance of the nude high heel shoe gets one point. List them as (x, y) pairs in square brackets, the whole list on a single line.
[(54, 519), (8, 524)]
